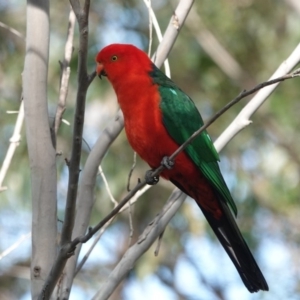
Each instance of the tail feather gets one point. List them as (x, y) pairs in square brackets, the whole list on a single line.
[(230, 237), (234, 244)]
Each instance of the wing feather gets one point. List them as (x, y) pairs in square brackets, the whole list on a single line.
[(181, 119)]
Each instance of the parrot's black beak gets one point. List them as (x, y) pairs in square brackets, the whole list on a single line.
[(100, 70)]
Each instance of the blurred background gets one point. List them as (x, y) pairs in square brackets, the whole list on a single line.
[(224, 48)]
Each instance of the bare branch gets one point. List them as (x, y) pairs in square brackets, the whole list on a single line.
[(83, 84), (96, 240), (243, 118), (131, 171), (153, 20), (14, 143), (65, 73), (13, 31), (86, 193), (111, 197), (98, 236), (154, 229), (15, 245), (130, 222), (172, 31), (148, 4)]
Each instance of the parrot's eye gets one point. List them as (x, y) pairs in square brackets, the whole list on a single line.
[(114, 57)]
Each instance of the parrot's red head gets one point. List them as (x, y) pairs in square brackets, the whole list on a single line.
[(118, 61)]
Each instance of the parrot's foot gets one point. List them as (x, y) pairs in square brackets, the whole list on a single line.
[(150, 179), (167, 163)]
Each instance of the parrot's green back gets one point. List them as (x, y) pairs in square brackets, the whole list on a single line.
[(181, 118)]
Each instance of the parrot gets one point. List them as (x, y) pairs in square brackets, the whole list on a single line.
[(158, 118)]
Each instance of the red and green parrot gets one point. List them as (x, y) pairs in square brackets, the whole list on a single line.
[(158, 118)]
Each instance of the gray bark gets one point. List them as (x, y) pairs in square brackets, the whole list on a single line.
[(40, 149)]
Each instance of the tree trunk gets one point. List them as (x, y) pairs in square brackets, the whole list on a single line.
[(40, 148)]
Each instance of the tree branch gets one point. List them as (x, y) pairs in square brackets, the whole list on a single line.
[(14, 143), (83, 84), (243, 118), (13, 31), (85, 200), (172, 31), (65, 73), (144, 242)]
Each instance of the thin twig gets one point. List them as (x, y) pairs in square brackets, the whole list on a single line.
[(14, 143), (131, 171), (142, 245), (111, 197), (96, 240), (130, 222), (153, 20), (13, 31), (148, 4), (15, 245), (136, 196), (100, 233), (65, 73), (172, 32), (83, 85), (243, 118), (92, 231)]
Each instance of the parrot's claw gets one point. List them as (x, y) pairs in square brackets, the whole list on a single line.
[(167, 163), (150, 179)]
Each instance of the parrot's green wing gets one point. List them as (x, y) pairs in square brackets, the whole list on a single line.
[(181, 119)]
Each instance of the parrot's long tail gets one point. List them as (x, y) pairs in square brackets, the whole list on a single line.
[(231, 239)]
